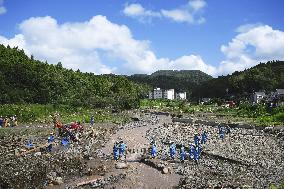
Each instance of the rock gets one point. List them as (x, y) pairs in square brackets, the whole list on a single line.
[(165, 170), (121, 165), (58, 181), (37, 154)]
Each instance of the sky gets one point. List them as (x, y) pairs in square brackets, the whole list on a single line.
[(217, 37)]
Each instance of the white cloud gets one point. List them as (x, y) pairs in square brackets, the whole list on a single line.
[(255, 43), (197, 4), (178, 15), (3, 10), (189, 13), (136, 10), (82, 46), (100, 46)]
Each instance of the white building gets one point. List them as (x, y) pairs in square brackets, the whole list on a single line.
[(181, 96), (258, 96), (169, 94)]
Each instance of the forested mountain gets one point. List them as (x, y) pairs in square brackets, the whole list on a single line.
[(25, 80), (263, 77), (183, 80)]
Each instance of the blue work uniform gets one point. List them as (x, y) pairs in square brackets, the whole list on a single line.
[(173, 151), (196, 140), (50, 139), (115, 152), (221, 132), (29, 144), (122, 148), (154, 151), (1, 122), (65, 141), (92, 120), (191, 151), (203, 138), (182, 154), (196, 153)]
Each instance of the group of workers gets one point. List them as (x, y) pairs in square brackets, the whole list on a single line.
[(194, 150), (119, 149), (8, 121)]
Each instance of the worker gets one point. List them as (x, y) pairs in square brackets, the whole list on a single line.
[(29, 144), (1, 121), (14, 121), (92, 121), (64, 141), (116, 151), (203, 137), (122, 148), (153, 149), (172, 150), (182, 153), (196, 139), (191, 151), (221, 132), (196, 153), (6, 122), (50, 140)]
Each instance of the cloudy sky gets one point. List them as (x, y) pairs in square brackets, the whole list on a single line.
[(126, 37)]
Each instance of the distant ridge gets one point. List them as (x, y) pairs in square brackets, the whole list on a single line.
[(181, 80)]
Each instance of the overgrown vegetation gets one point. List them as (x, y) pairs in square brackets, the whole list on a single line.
[(263, 77), (25, 80), (30, 113)]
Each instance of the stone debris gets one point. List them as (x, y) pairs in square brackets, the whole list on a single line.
[(251, 157)]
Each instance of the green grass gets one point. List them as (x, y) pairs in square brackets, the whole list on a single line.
[(30, 113)]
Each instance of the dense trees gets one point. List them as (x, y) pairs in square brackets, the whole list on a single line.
[(183, 80), (25, 80), (263, 77)]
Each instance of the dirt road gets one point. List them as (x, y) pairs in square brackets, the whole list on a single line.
[(140, 175)]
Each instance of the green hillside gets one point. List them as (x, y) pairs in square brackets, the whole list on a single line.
[(183, 80), (25, 80), (263, 77)]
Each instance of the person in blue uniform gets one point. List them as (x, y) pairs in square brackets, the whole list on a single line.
[(221, 132), (191, 151), (204, 137), (182, 153), (196, 139), (116, 151), (122, 148), (172, 150), (50, 140), (65, 141), (92, 121), (153, 150)]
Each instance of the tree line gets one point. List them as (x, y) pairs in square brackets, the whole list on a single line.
[(26, 80)]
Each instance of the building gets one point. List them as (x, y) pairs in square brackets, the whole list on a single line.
[(169, 94), (258, 96), (157, 93), (181, 96)]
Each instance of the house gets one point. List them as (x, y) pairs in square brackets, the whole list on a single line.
[(258, 96), (181, 96)]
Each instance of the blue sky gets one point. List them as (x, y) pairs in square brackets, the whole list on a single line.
[(126, 37)]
